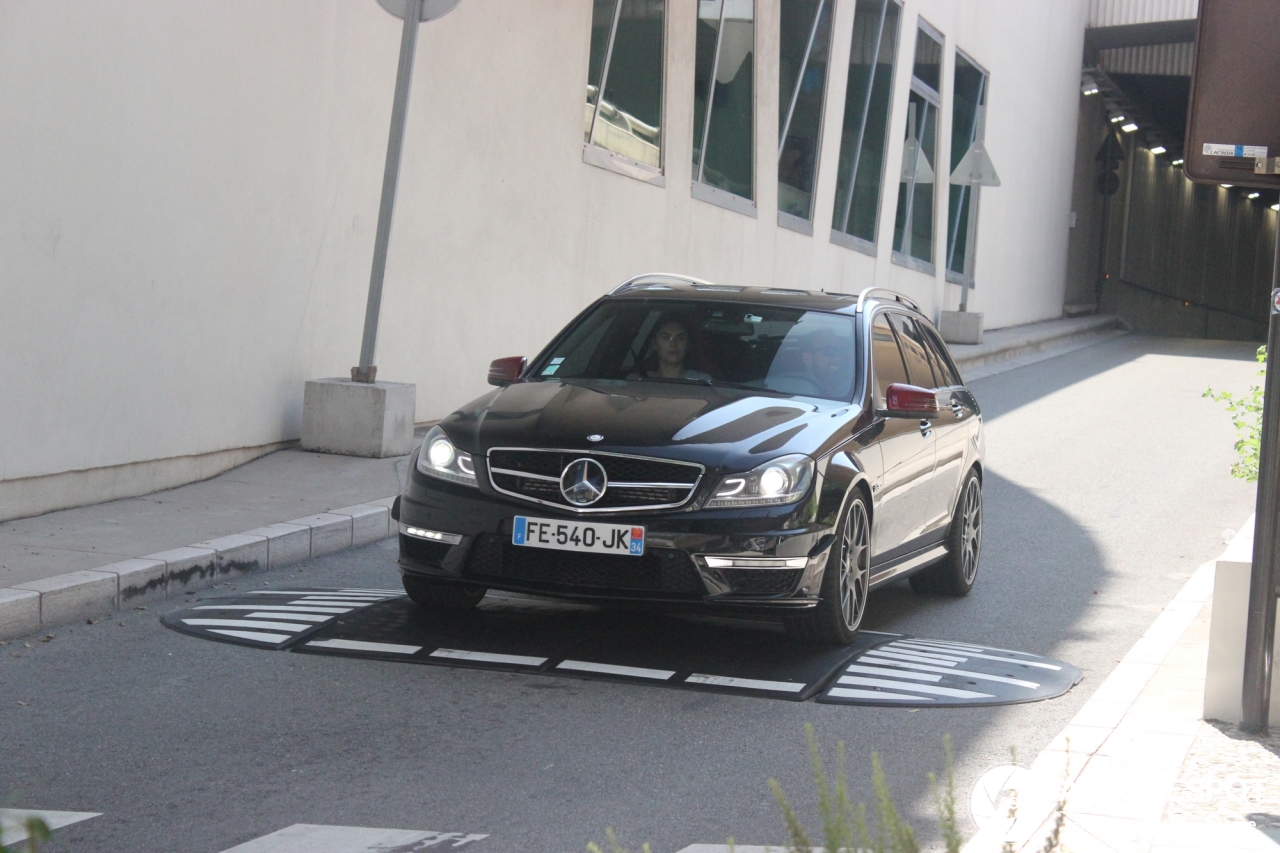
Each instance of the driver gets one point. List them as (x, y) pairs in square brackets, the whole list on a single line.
[(670, 344)]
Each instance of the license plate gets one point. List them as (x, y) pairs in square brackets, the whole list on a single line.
[(578, 536)]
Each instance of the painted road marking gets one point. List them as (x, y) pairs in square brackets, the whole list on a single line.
[(259, 636), (248, 623), (879, 670), (850, 693), (487, 657), (282, 608), (314, 838), (611, 669), (745, 683), (362, 646), (13, 822), (917, 688), (960, 673), (305, 617)]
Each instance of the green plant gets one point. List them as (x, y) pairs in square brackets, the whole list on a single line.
[(1246, 414), (37, 833), (614, 846)]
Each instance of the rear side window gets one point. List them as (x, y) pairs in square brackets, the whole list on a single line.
[(886, 357), (947, 375), (915, 352)]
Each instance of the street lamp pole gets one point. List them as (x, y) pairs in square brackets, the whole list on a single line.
[(367, 371)]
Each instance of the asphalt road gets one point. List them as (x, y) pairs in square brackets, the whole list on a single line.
[(1107, 485)]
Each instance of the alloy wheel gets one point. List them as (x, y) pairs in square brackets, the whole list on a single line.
[(855, 572), (971, 536)]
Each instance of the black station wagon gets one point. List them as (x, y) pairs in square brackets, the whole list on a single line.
[(755, 450)]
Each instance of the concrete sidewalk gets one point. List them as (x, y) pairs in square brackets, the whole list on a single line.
[(1138, 770), (86, 562)]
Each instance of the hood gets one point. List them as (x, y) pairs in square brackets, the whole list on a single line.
[(713, 425)]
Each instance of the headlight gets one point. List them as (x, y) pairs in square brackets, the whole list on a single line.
[(439, 458), (781, 481)]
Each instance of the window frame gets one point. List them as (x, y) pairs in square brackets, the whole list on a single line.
[(838, 235), (699, 189), (804, 225), (932, 98), (967, 276), (597, 155), (878, 393)]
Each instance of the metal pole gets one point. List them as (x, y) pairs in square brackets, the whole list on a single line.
[(1260, 630), (604, 72), (795, 92), (862, 123), (711, 92), (366, 372)]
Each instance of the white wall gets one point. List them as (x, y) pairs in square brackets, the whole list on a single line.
[(188, 194)]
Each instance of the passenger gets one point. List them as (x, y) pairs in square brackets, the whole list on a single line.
[(826, 358), (670, 350)]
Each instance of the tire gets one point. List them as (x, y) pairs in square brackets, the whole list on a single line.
[(845, 584), (956, 574), (440, 595)]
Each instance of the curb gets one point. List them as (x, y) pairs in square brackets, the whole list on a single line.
[(60, 600), (1048, 334)]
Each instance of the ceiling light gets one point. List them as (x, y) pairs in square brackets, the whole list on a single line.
[(1252, 195), (1226, 186), (1159, 149), (1178, 162), (1088, 87), (1129, 128), (1117, 119), (1275, 207)]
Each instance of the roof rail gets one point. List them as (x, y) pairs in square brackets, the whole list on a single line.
[(638, 280), (862, 297)]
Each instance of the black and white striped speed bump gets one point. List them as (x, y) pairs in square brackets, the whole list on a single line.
[(922, 673), (527, 635)]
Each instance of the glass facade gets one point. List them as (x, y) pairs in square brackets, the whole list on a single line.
[(864, 137), (913, 223), (724, 96), (805, 45), (969, 91), (627, 63)]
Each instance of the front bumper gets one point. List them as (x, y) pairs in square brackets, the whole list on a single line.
[(767, 558)]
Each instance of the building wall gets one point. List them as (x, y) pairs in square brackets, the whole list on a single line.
[(189, 194)]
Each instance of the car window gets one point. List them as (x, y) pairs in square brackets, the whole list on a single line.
[(773, 348), (914, 351), (942, 365), (886, 357)]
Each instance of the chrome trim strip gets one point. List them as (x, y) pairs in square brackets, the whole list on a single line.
[(692, 487), (915, 562), (652, 485), (524, 474)]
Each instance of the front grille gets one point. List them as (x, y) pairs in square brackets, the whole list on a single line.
[(634, 482), (423, 551), (762, 581), (659, 570)]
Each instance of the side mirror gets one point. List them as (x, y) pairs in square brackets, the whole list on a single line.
[(504, 371), (909, 401)]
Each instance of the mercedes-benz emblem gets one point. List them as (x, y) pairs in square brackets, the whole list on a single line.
[(595, 436), (583, 482)]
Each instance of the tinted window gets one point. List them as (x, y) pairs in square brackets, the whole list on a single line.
[(914, 351), (805, 30), (788, 350), (724, 96), (941, 364), (628, 119), (886, 357)]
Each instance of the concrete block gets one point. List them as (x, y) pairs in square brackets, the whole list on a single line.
[(187, 568), (329, 533), (74, 596), (1224, 670), (19, 613), (238, 554), (369, 523), (358, 418), (387, 502), (287, 544), (961, 327), (140, 580)]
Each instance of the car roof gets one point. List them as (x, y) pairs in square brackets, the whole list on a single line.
[(660, 285)]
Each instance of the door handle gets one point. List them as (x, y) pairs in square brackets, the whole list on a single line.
[(926, 428)]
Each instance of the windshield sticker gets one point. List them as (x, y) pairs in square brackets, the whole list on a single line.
[(557, 360), (550, 370), (753, 318)]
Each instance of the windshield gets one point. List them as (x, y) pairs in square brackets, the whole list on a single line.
[(784, 350)]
